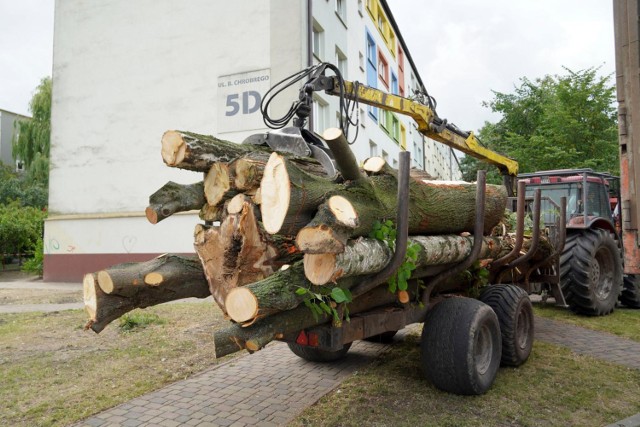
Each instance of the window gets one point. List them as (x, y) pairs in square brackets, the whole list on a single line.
[(341, 62), (361, 60), (385, 156), (341, 10), (394, 83), (373, 149), (395, 164), (318, 41), (371, 50), (372, 76), (403, 137), (384, 120), (360, 8), (320, 115), (400, 71), (383, 69), (362, 118), (395, 128)]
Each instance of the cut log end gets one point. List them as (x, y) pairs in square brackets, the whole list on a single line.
[(374, 164), (275, 202), (332, 134), (105, 282), (318, 240), (173, 148), (90, 298), (217, 183), (236, 203), (403, 297), (241, 305), (344, 211), (320, 268), (151, 215), (153, 279)]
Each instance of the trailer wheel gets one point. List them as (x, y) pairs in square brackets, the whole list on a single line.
[(461, 346), (385, 337), (313, 354), (631, 291), (591, 272), (515, 315)]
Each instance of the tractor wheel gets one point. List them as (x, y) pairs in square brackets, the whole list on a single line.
[(461, 346), (515, 314), (313, 354), (385, 337), (631, 291), (591, 272)]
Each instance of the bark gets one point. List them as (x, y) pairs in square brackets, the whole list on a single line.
[(191, 151), (239, 252), (254, 337), (172, 198), (172, 278), (368, 256)]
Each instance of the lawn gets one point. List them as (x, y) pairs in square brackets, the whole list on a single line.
[(52, 372)]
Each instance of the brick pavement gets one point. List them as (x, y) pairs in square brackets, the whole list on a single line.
[(601, 345), (268, 388)]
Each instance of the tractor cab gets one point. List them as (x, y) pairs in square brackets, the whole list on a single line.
[(591, 196)]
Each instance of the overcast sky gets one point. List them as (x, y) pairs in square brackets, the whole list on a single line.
[(463, 49)]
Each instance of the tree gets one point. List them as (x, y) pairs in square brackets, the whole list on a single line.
[(32, 137), (554, 122)]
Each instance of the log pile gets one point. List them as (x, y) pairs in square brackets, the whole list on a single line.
[(277, 229)]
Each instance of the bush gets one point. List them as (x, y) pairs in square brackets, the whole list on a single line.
[(21, 228), (36, 264)]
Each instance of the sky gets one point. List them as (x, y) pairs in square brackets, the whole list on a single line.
[(463, 49)]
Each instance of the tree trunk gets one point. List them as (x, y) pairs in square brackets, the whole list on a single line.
[(163, 279), (172, 198), (368, 256), (239, 252), (254, 337)]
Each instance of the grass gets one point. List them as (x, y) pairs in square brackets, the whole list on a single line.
[(623, 322), (555, 387), (52, 372)]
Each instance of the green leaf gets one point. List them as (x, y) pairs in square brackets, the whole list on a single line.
[(338, 295), (325, 307), (301, 291)]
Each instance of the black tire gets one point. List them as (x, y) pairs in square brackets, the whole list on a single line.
[(385, 337), (630, 295), (515, 315), (313, 354), (591, 272), (461, 346)]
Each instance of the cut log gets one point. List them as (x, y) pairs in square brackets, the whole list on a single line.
[(191, 151), (344, 157), (239, 252), (218, 184), (435, 207), (172, 278), (254, 337), (368, 256), (290, 196), (172, 198), (210, 213)]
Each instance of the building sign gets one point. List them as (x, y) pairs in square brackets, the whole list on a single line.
[(239, 97)]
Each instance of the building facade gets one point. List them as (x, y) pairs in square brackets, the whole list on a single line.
[(121, 79), (7, 130)]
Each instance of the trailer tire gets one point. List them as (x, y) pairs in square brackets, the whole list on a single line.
[(630, 296), (384, 338), (461, 346), (313, 354), (515, 315), (591, 272)]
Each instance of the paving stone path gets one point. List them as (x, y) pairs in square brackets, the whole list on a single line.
[(601, 345), (268, 388)]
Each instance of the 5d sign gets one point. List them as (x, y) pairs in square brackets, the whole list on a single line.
[(239, 97)]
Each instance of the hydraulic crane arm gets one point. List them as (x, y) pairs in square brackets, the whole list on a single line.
[(428, 123)]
